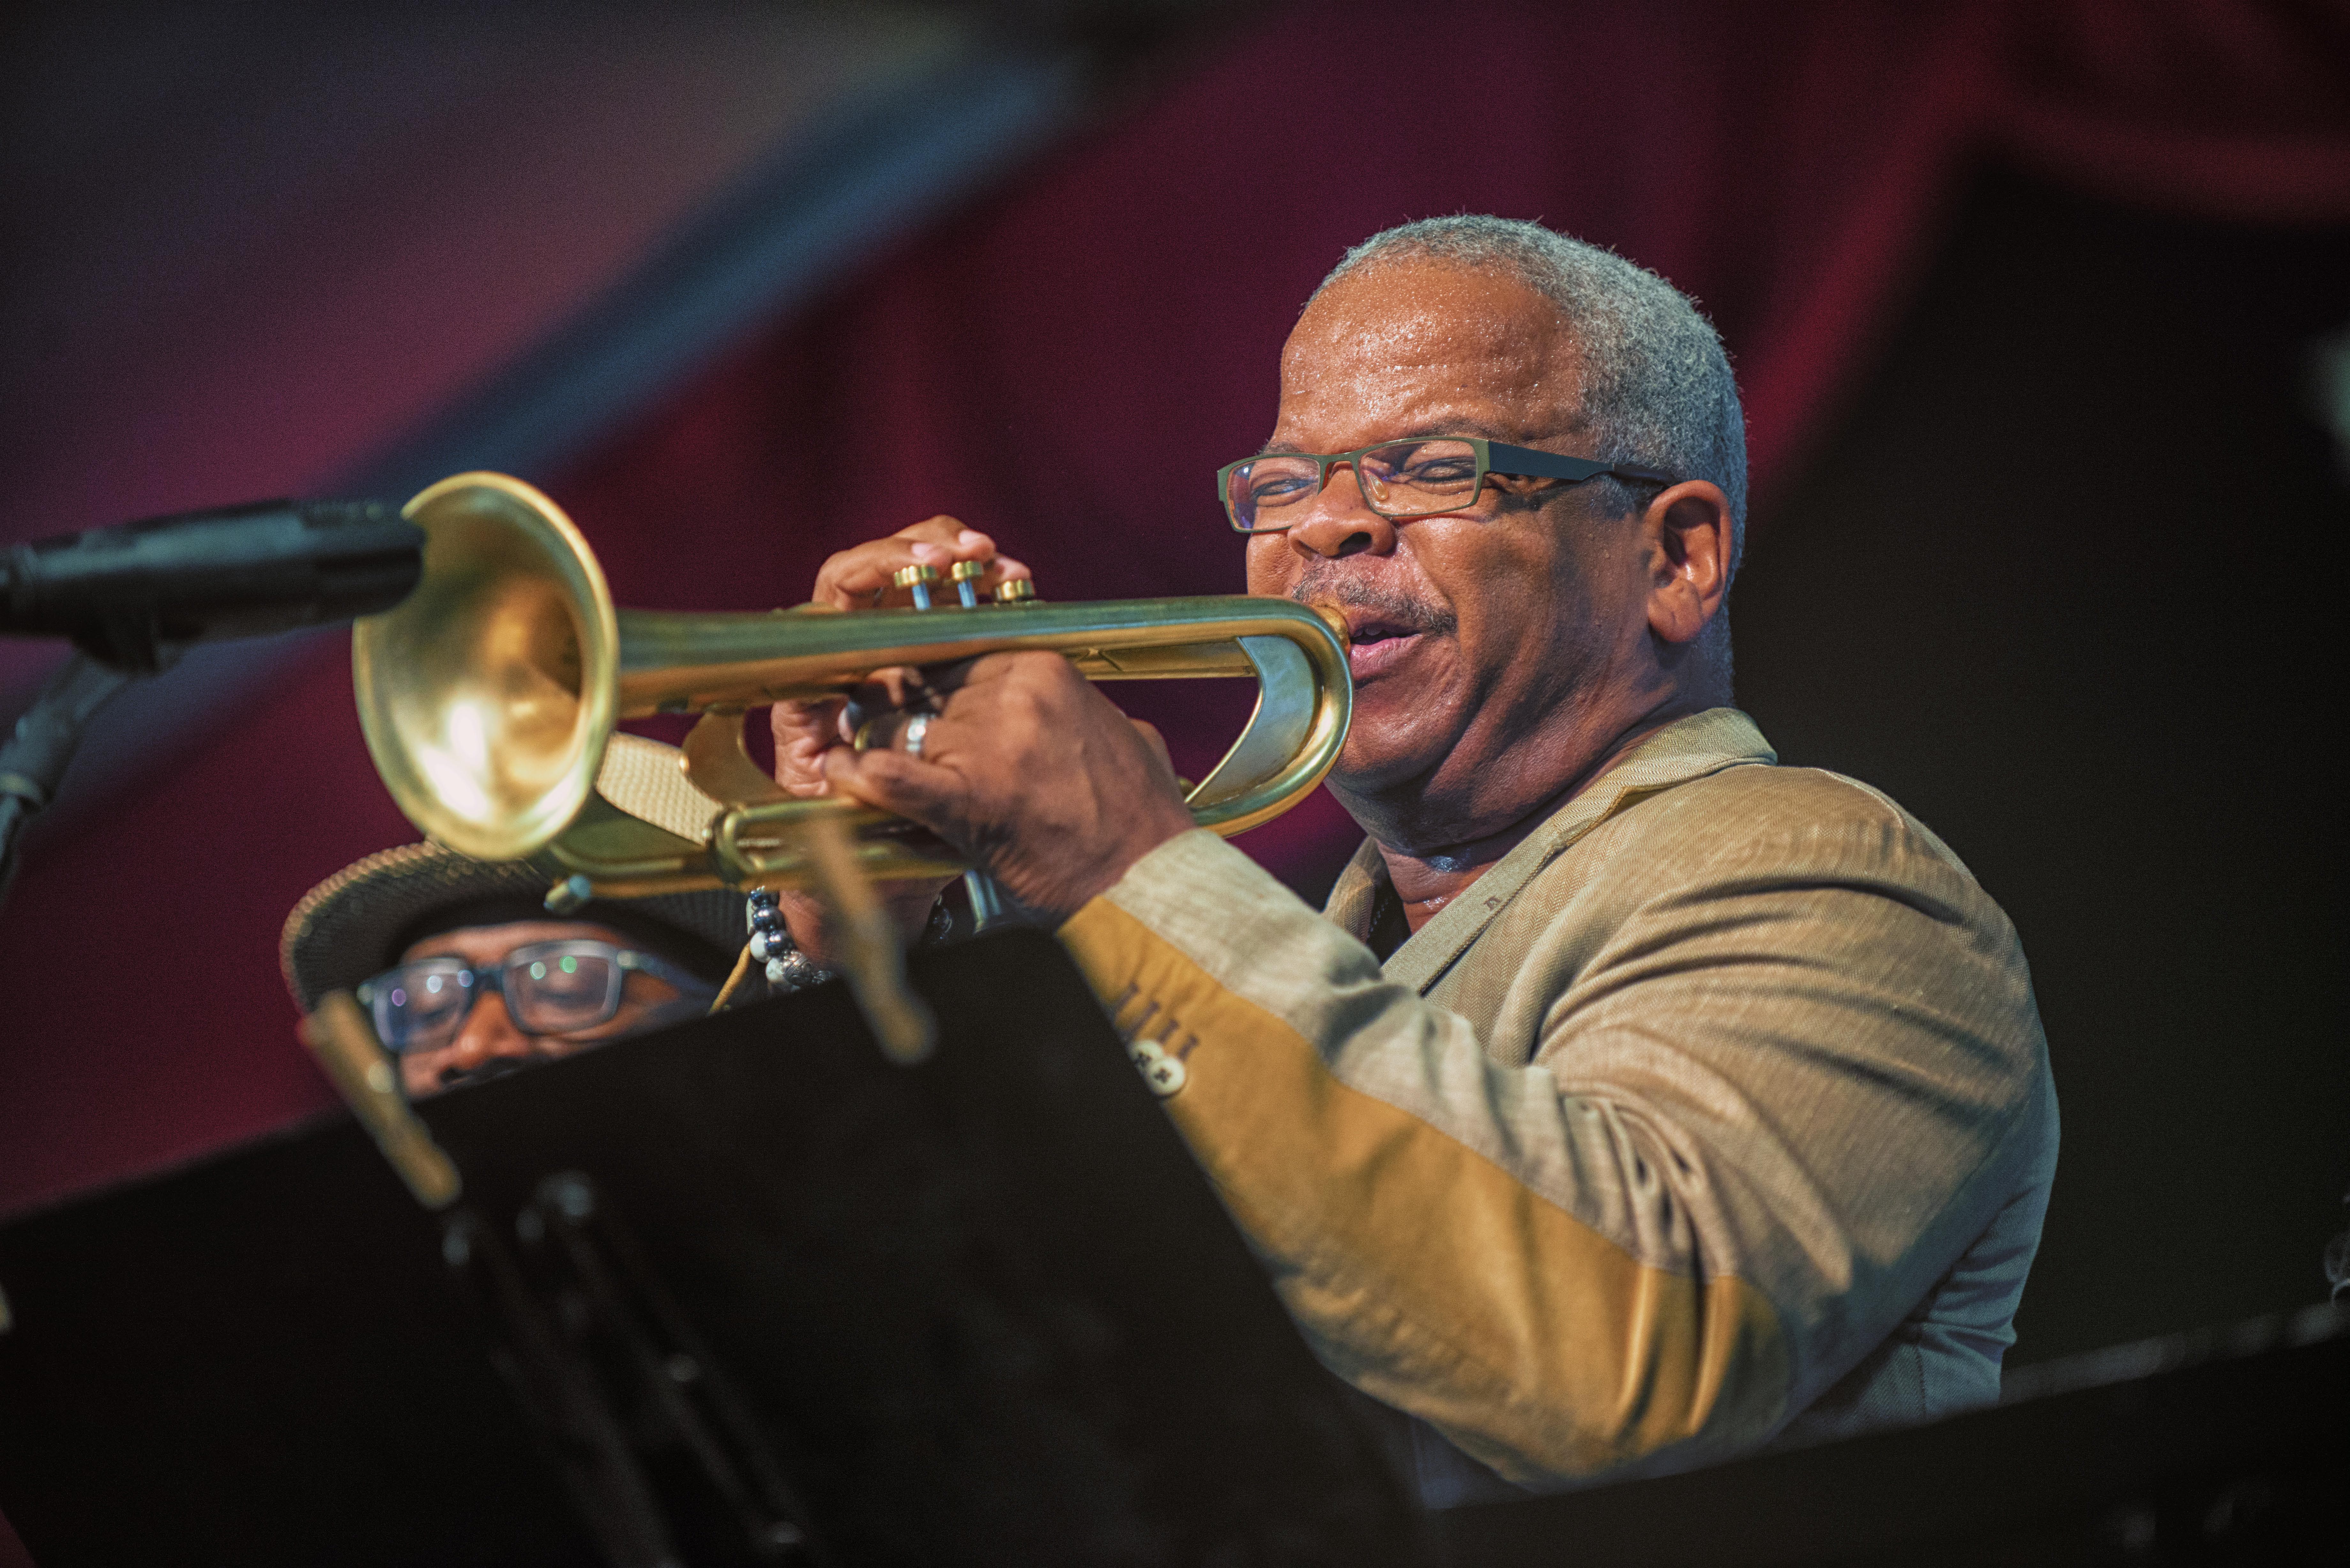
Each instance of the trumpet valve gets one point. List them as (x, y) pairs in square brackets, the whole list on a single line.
[(965, 576), (1016, 591), (918, 578)]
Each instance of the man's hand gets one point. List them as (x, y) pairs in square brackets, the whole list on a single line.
[(860, 578), (1034, 774)]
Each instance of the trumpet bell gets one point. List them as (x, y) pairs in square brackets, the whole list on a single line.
[(487, 695)]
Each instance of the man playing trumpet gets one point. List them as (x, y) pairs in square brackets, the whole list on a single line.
[(1635, 1098)]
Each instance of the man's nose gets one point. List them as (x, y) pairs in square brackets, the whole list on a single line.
[(489, 1033), (1340, 524)]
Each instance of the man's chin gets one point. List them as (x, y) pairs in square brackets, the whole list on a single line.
[(1380, 758)]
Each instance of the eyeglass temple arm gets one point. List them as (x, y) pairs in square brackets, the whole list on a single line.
[(1527, 463), (642, 961)]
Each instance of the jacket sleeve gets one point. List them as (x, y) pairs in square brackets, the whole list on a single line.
[(1638, 1246)]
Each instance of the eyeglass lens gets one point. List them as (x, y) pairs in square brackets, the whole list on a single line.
[(417, 1002), (1402, 479), (551, 989)]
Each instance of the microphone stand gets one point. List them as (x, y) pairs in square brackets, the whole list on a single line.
[(35, 760)]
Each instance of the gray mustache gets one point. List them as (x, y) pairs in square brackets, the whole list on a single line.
[(1396, 609)]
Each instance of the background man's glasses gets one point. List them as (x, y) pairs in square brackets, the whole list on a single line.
[(1399, 479), (549, 988)]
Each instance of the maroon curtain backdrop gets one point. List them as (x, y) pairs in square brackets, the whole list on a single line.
[(1066, 364)]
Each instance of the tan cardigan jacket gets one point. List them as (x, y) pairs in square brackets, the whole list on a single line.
[(1720, 1099)]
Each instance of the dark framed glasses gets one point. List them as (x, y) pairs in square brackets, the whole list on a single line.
[(1416, 478), (549, 988)]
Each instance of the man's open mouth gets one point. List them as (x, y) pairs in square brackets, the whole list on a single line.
[(1377, 641)]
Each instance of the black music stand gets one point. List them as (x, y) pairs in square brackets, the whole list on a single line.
[(739, 1291)]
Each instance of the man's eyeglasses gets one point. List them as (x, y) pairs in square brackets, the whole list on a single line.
[(1399, 479), (549, 988)]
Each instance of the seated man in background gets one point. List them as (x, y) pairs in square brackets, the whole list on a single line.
[(466, 975), (1635, 1098)]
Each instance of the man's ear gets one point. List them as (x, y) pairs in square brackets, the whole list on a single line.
[(1688, 536)]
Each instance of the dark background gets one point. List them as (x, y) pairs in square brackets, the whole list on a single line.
[(2061, 581)]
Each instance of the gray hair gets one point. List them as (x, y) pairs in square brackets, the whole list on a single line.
[(1656, 385)]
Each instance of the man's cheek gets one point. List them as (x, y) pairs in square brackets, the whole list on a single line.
[(1269, 567)]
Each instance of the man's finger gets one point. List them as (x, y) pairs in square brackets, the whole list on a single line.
[(943, 680), (900, 785), (807, 716), (859, 576), (803, 732)]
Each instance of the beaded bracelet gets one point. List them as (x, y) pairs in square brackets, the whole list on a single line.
[(788, 968)]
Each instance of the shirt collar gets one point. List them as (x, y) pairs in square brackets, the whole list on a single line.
[(1684, 749)]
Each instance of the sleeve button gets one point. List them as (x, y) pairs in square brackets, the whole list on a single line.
[(1163, 1072)]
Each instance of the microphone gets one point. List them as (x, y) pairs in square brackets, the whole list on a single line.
[(132, 595)]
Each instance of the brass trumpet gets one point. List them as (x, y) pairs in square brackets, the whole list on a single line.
[(489, 697)]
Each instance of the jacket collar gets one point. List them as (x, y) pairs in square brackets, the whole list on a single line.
[(1684, 749)]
